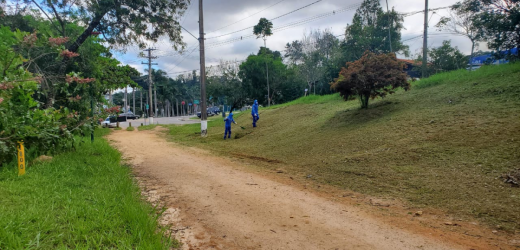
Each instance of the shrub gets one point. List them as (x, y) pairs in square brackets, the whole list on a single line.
[(371, 76)]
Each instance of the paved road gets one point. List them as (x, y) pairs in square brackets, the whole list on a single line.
[(161, 120)]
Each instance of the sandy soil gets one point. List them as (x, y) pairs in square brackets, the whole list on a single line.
[(215, 203)]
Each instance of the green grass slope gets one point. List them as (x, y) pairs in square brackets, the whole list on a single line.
[(445, 143), (80, 200)]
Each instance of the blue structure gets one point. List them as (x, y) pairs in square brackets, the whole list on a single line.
[(490, 59)]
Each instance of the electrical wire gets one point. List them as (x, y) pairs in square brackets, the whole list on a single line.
[(246, 17), (288, 13), (287, 26)]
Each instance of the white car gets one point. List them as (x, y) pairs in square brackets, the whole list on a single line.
[(107, 124)]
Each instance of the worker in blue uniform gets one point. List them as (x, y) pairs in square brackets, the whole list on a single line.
[(254, 113), (228, 122)]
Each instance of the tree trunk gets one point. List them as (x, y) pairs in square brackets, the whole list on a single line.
[(177, 106), (83, 37), (126, 100), (133, 99), (364, 100), (471, 55)]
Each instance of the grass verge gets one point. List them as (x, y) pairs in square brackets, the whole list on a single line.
[(130, 129), (80, 200), (146, 127), (443, 144)]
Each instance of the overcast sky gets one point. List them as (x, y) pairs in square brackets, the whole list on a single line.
[(229, 14)]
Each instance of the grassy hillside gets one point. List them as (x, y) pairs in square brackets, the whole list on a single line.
[(444, 143)]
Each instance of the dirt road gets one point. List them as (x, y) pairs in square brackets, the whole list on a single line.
[(214, 204)]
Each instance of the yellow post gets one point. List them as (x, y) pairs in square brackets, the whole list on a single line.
[(21, 159)]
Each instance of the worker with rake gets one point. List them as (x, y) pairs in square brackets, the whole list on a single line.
[(228, 121), (254, 113)]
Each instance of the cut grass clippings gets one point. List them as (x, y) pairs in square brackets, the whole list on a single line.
[(443, 144), (80, 200)]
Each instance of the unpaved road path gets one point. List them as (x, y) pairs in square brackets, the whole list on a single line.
[(214, 204)]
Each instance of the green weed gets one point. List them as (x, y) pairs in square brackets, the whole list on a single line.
[(80, 200)]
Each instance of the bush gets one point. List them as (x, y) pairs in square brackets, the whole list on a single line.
[(21, 117)]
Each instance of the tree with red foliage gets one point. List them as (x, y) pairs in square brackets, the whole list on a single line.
[(371, 76)]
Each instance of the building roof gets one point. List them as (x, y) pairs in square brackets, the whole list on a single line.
[(408, 61)]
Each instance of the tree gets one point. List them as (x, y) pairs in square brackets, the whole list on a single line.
[(462, 21), (499, 22), (370, 31), (225, 86), (446, 58), (21, 115), (120, 22), (374, 75), (314, 56), (263, 30)]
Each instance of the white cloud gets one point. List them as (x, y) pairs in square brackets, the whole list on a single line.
[(223, 13)]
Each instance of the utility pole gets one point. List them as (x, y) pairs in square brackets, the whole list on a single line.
[(425, 40), (155, 101), (150, 106), (126, 99), (203, 114), (133, 99), (389, 26)]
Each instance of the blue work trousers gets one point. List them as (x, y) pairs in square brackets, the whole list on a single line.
[(227, 133)]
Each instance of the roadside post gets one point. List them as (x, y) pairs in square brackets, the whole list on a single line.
[(21, 158)]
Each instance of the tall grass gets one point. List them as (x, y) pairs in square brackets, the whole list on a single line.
[(310, 99), (80, 200), (463, 75)]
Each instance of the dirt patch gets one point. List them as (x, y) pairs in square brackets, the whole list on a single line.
[(210, 202)]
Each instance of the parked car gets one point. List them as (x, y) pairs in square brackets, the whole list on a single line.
[(214, 110), (107, 124), (208, 111), (129, 115)]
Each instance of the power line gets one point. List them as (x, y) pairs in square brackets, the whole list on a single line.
[(185, 16), (238, 61), (246, 17), (189, 33), (269, 20), (177, 64), (422, 11), (287, 26)]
